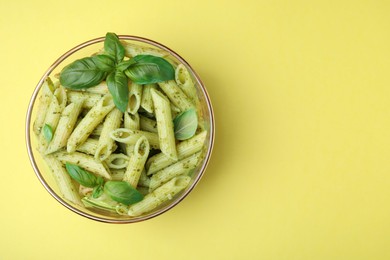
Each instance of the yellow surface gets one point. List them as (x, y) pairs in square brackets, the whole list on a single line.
[(300, 168)]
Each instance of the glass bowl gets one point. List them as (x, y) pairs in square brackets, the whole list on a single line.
[(42, 171)]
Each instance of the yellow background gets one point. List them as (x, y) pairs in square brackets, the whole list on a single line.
[(300, 168)]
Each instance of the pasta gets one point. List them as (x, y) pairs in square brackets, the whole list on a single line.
[(44, 101), (106, 145), (139, 147), (94, 117), (65, 126), (159, 196), (164, 124), (53, 114), (137, 161)]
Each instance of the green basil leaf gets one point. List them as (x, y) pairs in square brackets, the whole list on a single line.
[(104, 62), (185, 124), (122, 192), (117, 85), (113, 47), (80, 175), (82, 73), (48, 132), (97, 191), (125, 64), (149, 69)]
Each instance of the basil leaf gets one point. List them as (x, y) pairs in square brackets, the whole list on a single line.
[(104, 62), (122, 192), (113, 47), (97, 191), (82, 73), (185, 124), (149, 69), (117, 85), (48, 132), (80, 175), (125, 64)]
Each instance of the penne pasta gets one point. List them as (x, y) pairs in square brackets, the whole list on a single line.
[(85, 161), (160, 195), (176, 95), (46, 95), (176, 169), (135, 94), (127, 136), (137, 161), (94, 117), (146, 99), (53, 115), (184, 149), (65, 126), (63, 180), (164, 124), (147, 124), (106, 144), (90, 98)]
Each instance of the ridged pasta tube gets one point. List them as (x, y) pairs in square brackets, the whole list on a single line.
[(146, 99), (160, 195), (93, 118), (176, 169), (53, 115), (106, 143), (147, 124), (135, 95), (176, 95), (166, 134), (137, 161), (65, 126), (90, 98), (85, 161), (47, 92), (117, 161), (63, 180), (184, 149), (128, 136)]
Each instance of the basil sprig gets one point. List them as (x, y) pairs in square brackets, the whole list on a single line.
[(122, 192), (111, 66), (86, 179)]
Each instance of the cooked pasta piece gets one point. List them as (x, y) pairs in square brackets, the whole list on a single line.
[(117, 161), (85, 161), (67, 189), (137, 161), (93, 118), (90, 98), (65, 126), (184, 149), (128, 136), (88, 147), (147, 124), (164, 124), (135, 94), (176, 169), (53, 115), (160, 195), (176, 95), (146, 100), (132, 122), (47, 92), (132, 50), (106, 143)]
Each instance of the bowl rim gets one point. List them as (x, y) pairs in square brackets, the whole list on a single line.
[(112, 220)]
